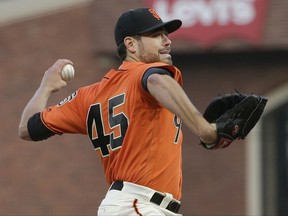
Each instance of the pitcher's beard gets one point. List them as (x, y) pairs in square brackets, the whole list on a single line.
[(151, 58)]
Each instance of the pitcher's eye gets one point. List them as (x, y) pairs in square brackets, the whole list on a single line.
[(156, 35)]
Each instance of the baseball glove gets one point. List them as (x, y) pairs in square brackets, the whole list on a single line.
[(235, 115)]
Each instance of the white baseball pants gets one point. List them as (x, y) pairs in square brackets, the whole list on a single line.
[(135, 200)]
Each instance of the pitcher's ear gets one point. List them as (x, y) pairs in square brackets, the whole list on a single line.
[(130, 44)]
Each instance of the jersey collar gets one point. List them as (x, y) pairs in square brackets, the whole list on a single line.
[(126, 65)]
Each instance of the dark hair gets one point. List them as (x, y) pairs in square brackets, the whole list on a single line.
[(121, 51)]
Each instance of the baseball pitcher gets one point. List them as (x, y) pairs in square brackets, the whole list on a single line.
[(133, 118)]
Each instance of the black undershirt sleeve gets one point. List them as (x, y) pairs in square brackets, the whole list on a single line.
[(153, 71), (37, 130)]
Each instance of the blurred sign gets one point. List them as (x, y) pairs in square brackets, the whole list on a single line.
[(208, 21)]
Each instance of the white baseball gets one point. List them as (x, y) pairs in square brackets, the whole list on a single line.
[(67, 72)]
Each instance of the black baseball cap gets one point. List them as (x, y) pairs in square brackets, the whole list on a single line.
[(139, 21)]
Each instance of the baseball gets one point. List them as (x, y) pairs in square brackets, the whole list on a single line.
[(67, 72)]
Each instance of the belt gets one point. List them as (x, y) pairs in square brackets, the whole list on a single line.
[(156, 198)]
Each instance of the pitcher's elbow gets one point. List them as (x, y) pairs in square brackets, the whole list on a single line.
[(24, 134)]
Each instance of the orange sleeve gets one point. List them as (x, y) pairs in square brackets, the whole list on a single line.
[(176, 74), (69, 116)]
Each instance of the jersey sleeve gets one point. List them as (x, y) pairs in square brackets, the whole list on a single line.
[(172, 70), (175, 73), (144, 71), (68, 116), (151, 71)]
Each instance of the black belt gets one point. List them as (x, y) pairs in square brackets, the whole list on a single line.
[(157, 198)]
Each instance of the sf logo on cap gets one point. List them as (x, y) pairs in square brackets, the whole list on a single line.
[(154, 13)]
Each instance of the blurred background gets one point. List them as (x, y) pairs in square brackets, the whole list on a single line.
[(223, 46)]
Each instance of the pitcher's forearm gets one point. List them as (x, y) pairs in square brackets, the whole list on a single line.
[(172, 96), (51, 82), (37, 104)]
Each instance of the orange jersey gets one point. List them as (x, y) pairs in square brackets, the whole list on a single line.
[(138, 140)]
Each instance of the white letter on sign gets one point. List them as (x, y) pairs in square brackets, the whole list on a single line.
[(208, 13), (244, 12)]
